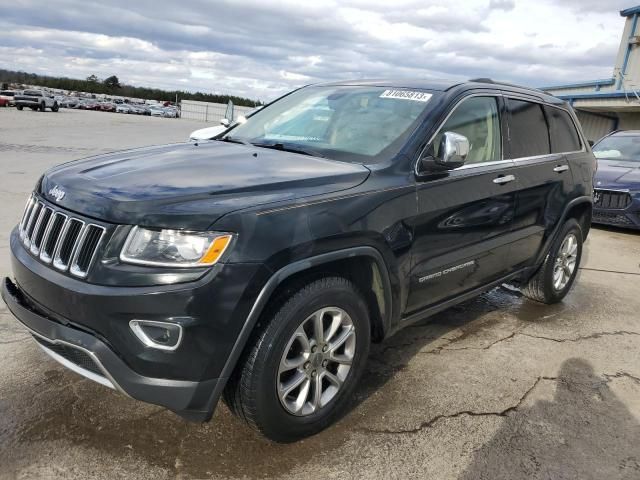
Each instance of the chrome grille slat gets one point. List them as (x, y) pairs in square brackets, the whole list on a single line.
[(33, 217), (47, 250), (43, 222), (89, 246), (67, 242)]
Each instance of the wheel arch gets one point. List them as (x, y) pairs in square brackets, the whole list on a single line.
[(579, 208), (305, 269)]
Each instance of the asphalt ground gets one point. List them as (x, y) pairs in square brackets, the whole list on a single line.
[(498, 387)]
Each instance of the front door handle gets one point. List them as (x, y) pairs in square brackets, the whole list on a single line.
[(561, 168), (504, 179)]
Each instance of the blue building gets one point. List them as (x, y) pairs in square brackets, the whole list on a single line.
[(613, 103)]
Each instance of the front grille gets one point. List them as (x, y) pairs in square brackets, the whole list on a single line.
[(67, 242), (74, 355), (611, 218), (611, 199)]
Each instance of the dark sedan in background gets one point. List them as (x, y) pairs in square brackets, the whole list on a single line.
[(616, 198)]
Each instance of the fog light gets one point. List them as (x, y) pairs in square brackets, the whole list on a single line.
[(160, 335)]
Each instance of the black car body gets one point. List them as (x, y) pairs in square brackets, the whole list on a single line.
[(413, 235), (617, 181)]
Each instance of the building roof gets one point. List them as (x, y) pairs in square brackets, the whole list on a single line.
[(589, 83), (630, 11)]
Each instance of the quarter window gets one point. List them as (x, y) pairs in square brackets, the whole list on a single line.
[(528, 131), (564, 136), (477, 119)]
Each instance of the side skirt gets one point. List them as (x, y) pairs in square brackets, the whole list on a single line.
[(437, 308)]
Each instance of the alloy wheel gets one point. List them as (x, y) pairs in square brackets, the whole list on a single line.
[(565, 263), (316, 361)]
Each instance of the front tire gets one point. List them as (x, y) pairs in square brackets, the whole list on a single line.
[(555, 278), (55, 107), (19, 107), (299, 374)]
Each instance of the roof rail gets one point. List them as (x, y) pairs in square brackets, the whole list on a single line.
[(507, 84)]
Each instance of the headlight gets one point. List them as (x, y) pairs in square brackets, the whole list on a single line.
[(174, 248)]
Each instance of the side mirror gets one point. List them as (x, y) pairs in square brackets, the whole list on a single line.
[(225, 122), (453, 152), (591, 143)]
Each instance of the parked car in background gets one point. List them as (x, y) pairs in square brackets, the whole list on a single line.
[(69, 102), (260, 267), (156, 111), (107, 107), (616, 199), (123, 108), (36, 100), (8, 96), (170, 112)]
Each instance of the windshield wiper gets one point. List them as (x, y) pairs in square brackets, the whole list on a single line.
[(290, 148)]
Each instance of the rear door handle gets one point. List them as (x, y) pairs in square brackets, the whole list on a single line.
[(561, 168), (504, 179)]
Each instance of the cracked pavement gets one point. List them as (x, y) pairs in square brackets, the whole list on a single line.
[(496, 388)]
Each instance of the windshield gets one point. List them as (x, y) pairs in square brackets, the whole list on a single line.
[(622, 147), (360, 124)]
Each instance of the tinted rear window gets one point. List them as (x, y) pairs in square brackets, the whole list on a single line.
[(33, 93), (564, 136), (528, 131)]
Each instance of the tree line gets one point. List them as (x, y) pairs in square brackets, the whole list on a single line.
[(112, 86)]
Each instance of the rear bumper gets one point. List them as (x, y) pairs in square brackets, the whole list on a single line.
[(92, 358)]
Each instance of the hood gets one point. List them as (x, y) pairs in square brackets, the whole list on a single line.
[(191, 185), (618, 174)]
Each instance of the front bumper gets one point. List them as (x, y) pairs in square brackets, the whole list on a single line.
[(91, 357), (628, 217), (86, 327)]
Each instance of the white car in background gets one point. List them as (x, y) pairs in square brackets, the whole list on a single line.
[(209, 132)]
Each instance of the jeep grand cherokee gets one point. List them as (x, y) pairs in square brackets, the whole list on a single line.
[(260, 266)]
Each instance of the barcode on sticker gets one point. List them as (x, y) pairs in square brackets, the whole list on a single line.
[(406, 95)]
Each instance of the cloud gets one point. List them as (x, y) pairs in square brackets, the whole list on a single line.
[(261, 49)]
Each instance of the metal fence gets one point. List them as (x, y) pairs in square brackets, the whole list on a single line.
[(209, 112)]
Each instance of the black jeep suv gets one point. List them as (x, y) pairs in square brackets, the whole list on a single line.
[(259, 266)]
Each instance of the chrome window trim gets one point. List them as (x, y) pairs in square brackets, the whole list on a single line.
[(525, 98), (495, 95), (505, 95)]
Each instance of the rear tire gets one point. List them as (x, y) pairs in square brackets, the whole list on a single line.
[(554, 279), (261, 390), (19, 107)]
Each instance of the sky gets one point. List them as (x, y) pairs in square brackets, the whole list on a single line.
[(262, 49)]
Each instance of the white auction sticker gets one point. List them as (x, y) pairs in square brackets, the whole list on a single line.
[(406, 95)]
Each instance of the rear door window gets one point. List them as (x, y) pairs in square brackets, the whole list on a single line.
[(528, 130), (564, 136)]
